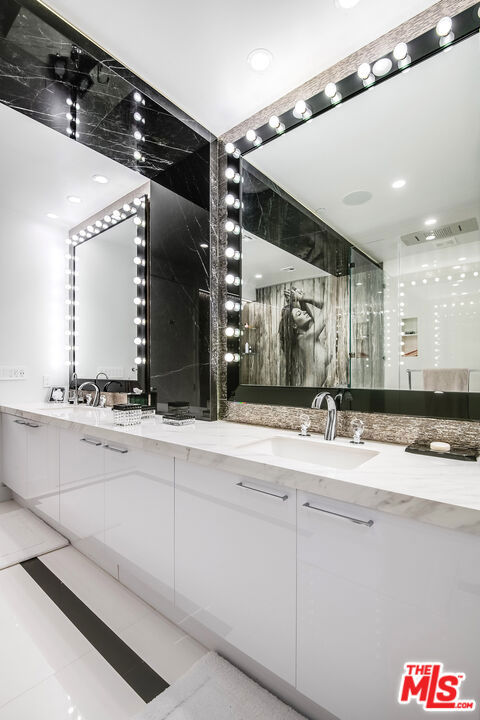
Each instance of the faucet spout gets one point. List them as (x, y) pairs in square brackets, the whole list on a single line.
[(95, 387), (331, 426)]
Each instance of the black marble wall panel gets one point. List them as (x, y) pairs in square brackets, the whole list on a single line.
[(180, 301)]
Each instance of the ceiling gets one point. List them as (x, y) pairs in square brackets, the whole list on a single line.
[(422, 126), (195, 53), (43, 168)]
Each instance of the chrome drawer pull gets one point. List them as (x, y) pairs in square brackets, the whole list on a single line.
[(21, 422), (114, 449), (33, 425), (368, 523), (264, 492), (96, 443)]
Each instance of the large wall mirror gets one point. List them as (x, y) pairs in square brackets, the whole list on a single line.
[(360, 239), (94, 156)]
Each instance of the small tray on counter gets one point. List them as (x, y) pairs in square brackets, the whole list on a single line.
[(468, 454)]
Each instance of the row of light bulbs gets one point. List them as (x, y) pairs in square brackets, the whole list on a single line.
[(72, 117), (128, 209), (367, 73), (233, 255), (137, 132)]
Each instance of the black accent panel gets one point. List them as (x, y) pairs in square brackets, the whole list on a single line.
[(136, 673), (447, 405)]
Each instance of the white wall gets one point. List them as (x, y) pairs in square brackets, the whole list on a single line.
[(32, 304)]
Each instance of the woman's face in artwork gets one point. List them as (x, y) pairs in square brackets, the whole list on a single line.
[(301, 318)]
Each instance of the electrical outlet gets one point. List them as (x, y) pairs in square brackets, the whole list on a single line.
[(46, 381), (13, 372)]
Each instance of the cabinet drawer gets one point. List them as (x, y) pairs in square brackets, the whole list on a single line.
[(235, 544), (374, 596)]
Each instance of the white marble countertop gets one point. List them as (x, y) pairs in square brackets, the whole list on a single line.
[(435, 490)]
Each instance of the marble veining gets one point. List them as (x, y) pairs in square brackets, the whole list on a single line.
[(437, 491)]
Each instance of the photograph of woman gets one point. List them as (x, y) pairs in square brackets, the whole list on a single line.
[(303, 339)]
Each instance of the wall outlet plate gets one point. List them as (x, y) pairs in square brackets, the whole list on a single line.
[(13, 372)]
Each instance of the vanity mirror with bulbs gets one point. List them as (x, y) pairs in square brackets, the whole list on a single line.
[(108, 183), (353, 237)]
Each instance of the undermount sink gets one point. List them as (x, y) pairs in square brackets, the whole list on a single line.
[(327, 454)]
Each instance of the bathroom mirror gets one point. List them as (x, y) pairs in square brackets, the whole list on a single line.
[(109, 270), (361, 242)]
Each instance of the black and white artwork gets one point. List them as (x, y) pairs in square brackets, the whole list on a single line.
[(57, 394)]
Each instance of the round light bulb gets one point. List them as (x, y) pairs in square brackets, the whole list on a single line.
[(382, 67), (137, 155), (230, 173), (274, 122), (400, 51), (251, 135), (229, 199), (137, 341), (138, 360), (137, 97), (137, 116), (229, 226), (444, 26), (330, 90), (137, 135), (363, 71), (229, 148)]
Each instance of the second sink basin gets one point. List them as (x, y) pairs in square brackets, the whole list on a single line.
[(312, 451)]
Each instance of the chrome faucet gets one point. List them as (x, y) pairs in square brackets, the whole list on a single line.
[(331, 426), (95, 387)]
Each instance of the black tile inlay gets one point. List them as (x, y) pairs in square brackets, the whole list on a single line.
[(140, 676)]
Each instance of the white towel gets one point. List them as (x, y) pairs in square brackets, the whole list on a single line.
[(215, 690), (446, 379)]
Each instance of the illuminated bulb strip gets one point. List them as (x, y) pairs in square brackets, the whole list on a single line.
[(232, 174), (302, 111), (232, 227), (232, 357), (252, 137), (232, 332), (232, 201), (232, 280), (232, 306), (232, 254), (230, 149)]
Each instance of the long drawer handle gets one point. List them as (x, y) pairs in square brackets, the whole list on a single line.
[(368, 523), (21, 422), (264, 492), (32, 425), (114, 449), (96, 443)]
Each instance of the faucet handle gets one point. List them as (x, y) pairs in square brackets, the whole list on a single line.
[(358, 428), (305, 424), (88, 399), (103, 401)]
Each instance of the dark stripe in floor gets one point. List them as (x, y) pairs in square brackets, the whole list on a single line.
[(140, 676)]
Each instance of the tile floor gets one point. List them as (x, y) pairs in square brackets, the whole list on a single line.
[(49, 670), (23, 535)]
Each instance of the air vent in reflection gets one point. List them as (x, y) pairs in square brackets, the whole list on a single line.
[(445, 236)]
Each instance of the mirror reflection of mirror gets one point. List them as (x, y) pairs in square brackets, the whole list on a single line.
[(361, 247)]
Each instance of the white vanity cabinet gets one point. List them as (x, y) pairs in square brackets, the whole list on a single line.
[(235, 542), (139, 515), (372, 597), (82, 492), (30, 464)]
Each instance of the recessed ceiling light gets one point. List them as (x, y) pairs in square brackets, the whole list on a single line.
[(346, 4), (430, 221), (425, 265), (358, 197), (258, 276), (100, 179), (259, 59), (73, 199), (430, 237), (290, 268), (52, 216), (461, 259), (204, 245), (397, 184), (456, 267)]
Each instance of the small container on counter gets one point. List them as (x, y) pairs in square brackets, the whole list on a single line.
[(127, 414), (178, 418), (148, 411)]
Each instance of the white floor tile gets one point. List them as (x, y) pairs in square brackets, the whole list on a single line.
[(36, 638), (163, 645), (8, 506), (87, 689), (105, 596), (23, 535)]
